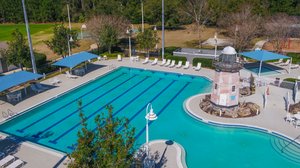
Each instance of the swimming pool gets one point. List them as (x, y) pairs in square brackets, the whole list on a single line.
[(265, 70), (55, 123)]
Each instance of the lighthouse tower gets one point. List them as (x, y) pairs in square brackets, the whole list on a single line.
[(225, 93)]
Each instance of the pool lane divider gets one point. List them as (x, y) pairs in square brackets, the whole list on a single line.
[(55, 111), (95, 112), (132, 100), (75, 112), (166, 105), (155, 97)]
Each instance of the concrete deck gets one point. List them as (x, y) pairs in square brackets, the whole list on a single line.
[(168, 154), (270, 119), (34, 155)]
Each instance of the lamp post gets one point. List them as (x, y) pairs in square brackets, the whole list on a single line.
[(129, 41), (29, 38), (162, 29), (69, 46), (149, 116), (69, 16), (82, 27), (142, 6), (155, 30), (216, 43)]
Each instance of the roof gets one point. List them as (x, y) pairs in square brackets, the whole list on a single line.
[(17, 78), (263, 55), (229, 51), (75, 59)]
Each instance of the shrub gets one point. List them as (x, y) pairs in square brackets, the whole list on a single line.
[(112, 55), (169, 50), (204, 62), (176, 58), (295, 56), (290, 79), (40, 60)]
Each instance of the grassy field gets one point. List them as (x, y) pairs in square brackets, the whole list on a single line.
[(186, 37)]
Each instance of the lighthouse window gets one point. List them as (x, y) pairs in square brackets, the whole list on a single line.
[(216, 86), (233, 88)]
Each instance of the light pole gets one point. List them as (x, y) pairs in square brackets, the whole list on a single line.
[(142, 6), (69, 46), (216, 43), (69, 16), (129, 34), (162, 30), (155, 30), (29, 39), (235, 34), (82, 27), (149, 116)]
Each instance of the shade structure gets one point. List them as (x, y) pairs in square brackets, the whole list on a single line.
[(263, 55), (17, 78), (75, 59)]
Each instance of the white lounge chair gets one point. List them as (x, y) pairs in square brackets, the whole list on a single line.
[(99, 58), (146, 60), (154, 62), (198, 67), (168, 62), (35, 89), (39, 86), (104, 57), (279, 61), (7, 160), (172, 64), (286, 63), (119, 57), (187, 65), (295, 66), (70, 75), (289, 118), (16, 164), (163, 62), (179, 64), (54, 81)]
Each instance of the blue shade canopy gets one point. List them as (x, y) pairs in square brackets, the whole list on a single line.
[(263, 55), (75, 59), (16, 78)]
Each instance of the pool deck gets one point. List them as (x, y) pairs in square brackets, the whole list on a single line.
[(271, 118)]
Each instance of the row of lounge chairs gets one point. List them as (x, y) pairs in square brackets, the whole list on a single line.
[(281, 63), (10, 161), (171, 63)]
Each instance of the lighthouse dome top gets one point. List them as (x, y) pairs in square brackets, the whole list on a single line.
[(229, 51)]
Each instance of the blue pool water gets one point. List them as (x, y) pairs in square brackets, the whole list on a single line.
[(55, 124), (264, 70)]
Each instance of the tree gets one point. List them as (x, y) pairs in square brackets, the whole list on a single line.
[(278, 28), (105, 147), (107, 29), (147, 40), (199, 11), (59, 43), (242, 26), (18, 52)]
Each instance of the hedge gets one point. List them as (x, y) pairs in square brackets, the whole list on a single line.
[(204, 62), (177, 59), (290, 79), (295, 56), (169, 50), (112, 55), (40, 60)]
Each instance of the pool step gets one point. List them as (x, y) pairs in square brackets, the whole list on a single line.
[(288, 149)]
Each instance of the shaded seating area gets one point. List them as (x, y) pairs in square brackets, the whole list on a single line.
[(263, 55), (75, 60), (12, 84)]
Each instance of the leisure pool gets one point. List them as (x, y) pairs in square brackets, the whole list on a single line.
[(55, 124)]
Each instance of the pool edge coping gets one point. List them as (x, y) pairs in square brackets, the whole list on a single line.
[(232, 125)]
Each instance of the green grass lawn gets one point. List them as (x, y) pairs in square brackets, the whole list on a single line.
[(7, 29)]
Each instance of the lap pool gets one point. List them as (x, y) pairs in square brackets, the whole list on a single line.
[(55, 124)]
